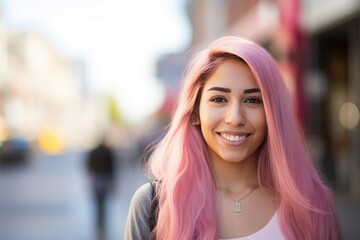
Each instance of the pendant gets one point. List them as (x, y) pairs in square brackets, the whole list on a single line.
[(237, 206)]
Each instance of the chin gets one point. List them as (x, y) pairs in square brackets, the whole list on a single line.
[(232, 158)]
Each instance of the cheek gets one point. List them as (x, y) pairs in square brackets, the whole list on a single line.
[(258, 121), (261, 125), (208, 121), (209, 116), (261, 121), (203, 114)]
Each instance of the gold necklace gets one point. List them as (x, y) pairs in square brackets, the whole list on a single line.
[(237, 205)]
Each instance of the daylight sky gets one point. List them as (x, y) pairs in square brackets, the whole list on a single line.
[(118, 39)]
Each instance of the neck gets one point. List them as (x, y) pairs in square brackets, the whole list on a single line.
[(235, 177)]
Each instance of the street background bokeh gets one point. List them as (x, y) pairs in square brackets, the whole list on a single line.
[(72, 72)]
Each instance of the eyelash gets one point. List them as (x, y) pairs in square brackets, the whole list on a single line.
[(250, 100), (253, 100), (218, 99)]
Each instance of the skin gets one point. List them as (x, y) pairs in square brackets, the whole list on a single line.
[(233, 124)]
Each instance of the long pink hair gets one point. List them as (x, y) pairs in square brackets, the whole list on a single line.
[(187, 202)]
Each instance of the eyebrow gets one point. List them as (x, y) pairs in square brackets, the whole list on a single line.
[(251, 90), (221, 89), (228, 90)]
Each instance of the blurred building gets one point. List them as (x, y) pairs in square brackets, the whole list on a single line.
[(3, 75), (41, 93), (316, 44), (333, 87)]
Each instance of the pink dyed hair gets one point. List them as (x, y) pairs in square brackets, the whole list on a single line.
[(187, 202)]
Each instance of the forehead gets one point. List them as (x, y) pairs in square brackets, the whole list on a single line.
[(233, 74)]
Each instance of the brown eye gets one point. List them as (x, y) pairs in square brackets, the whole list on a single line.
[(218, 100), (253, 100)]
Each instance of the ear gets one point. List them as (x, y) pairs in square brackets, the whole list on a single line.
[(194, 119)]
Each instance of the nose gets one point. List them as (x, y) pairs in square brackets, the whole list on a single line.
[(235, 115)]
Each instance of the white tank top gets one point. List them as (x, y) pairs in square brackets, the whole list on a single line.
[(271, 231)]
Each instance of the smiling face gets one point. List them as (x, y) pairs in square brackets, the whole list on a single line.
[(232, 117)]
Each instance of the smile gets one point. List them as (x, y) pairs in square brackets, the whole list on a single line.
[(233, 138)]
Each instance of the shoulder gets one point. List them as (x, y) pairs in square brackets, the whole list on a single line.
[(137, 224), (143, 196)]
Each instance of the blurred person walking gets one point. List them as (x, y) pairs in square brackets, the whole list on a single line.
[(101, 167)]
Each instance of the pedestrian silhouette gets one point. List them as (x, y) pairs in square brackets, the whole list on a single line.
[(100, 165)]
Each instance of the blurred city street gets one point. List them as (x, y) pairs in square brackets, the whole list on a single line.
[(73, 72), (50, 198)]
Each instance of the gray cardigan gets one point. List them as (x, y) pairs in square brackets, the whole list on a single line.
[(137, 226)]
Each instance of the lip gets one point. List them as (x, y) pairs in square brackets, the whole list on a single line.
[(233, 138)]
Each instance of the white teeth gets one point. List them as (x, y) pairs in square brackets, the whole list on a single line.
[(233, 138)]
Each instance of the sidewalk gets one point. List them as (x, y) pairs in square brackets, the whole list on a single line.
[(51, 200)]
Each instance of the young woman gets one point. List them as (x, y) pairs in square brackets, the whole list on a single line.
[(233, 164)]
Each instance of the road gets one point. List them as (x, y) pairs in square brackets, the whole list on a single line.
[(50, 198)]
